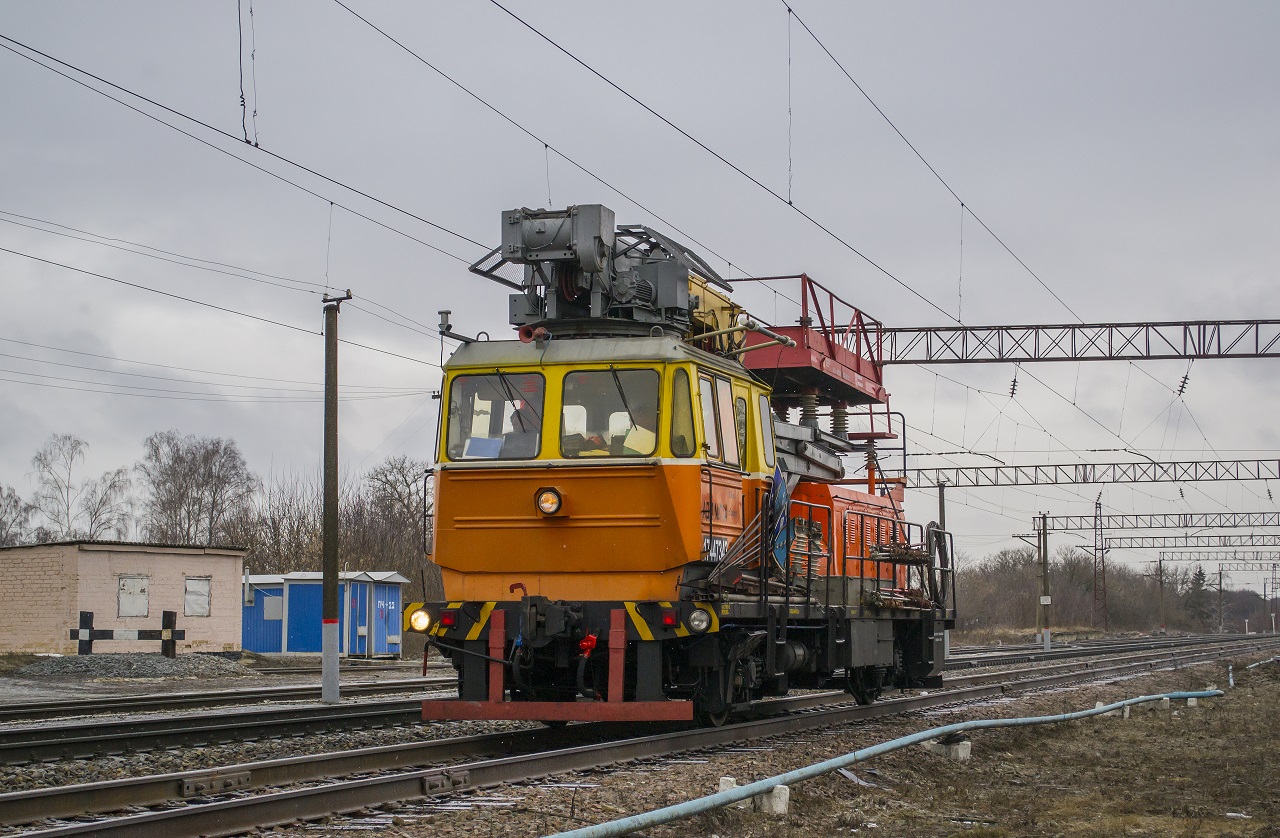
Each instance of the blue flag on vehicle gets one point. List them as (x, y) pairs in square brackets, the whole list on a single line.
[(779, 517)]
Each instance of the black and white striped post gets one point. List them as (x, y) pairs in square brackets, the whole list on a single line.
[(168, 634)]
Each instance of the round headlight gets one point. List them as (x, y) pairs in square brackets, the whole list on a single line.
[(699, 620), (548, 501), (420, 620)]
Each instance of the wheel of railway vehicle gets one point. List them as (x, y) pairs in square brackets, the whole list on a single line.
[(711, 703), (863, 684)]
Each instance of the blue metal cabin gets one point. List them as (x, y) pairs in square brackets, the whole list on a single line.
[(282, 613)]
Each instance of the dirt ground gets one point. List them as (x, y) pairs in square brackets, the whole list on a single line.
[(1210, 770)]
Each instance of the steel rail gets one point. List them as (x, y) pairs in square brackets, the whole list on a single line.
[(115, 736), (177, 701), (226, 817), (1111, 647)]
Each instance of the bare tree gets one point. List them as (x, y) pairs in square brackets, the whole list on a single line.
[(56, 494), (195, 487), (15, 517), (106, 509), (70, 509)]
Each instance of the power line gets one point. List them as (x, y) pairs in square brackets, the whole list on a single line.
[(162, 293), (317, 389), (185, 369), (235, 156), (202, 397), (422, 330), (189, 258), (215, 307), (780, 197), (362, 397), (161, 258)]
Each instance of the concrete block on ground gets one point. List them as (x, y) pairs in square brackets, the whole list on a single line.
[(1126, 712), (958, 751), (1115, 712), (1193, 702), (1165, 704), (729, 784), (773, 802)]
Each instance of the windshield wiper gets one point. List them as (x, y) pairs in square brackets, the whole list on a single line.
[(511, 397), (617, 382)]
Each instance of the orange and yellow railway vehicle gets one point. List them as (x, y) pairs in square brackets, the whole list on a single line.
[(625, 526)]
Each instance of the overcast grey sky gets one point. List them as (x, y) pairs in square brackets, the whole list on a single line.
[(1128, 153)]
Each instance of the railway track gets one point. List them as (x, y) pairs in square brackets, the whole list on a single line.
[(244, 809), (80, 740), (187, 700), (993, 656)]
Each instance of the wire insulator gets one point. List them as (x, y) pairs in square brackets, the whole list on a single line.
[(809, 410), (840, 420)]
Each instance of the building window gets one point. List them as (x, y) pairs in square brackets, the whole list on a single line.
[(132, 597), (196, 597)]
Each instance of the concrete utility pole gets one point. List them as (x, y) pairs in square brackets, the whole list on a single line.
[(1220, 615), (1160, 579), (329, 565), (1042, 612)]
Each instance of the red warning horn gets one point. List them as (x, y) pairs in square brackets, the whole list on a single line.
[(526, 334)]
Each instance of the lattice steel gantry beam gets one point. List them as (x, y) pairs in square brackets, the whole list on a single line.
[(1222, 556), (1176, 520), (1048, 474), (1164, 542), (1182, 339)]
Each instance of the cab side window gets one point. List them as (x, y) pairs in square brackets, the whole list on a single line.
[(766, 431), (683, 441), (728, 430), (740, 421), (710, 430)]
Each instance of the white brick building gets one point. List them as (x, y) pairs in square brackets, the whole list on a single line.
[(126, 586)]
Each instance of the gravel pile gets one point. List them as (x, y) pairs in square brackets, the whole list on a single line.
[(136, 665)]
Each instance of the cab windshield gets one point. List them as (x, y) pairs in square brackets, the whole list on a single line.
[(495, 417), (609, 413)]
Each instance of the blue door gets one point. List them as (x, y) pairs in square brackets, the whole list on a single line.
[(304, 618), (357, 640), (386, 619)]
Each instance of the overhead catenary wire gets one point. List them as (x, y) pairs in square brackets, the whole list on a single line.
[(718, 156), (963, 206), (519, 126)]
